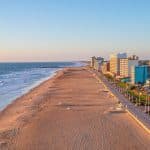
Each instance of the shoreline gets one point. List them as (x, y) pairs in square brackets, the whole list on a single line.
[(30, 88), (59, 107), (11, 117), (41, 81), (10, 93)]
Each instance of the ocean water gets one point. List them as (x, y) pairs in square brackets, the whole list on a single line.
[(18, 78)]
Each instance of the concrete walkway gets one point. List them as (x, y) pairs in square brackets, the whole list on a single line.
[(136, 113)]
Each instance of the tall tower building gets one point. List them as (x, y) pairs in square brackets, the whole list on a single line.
[(117, 61), (123, 67), (132, 62)]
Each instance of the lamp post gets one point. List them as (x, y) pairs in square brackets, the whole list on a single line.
[(127, 90), (132, 98), (140, 98), (136, 101), (148, 105)]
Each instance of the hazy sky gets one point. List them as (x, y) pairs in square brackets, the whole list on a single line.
[(52, 30)]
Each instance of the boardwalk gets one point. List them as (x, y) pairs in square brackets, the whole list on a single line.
[(139, 114), (77, 116)]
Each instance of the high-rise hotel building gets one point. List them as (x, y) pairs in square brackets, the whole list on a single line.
[(114, 64), (96, 62), (123, 67), (140, 74), (119, 64), (132, 62)]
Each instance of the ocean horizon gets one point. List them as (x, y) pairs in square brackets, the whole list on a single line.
[(18, 78)]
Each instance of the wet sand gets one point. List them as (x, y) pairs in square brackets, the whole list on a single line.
[(69, 112)]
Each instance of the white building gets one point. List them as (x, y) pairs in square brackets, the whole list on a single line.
[(132, 62), (132, 74), (97, 62), (131, 65)]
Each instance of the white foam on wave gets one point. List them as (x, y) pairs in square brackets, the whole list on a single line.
[(16, 84)]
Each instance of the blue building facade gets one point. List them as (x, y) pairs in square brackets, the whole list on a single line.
[(142, 74)]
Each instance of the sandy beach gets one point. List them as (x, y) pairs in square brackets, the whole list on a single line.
[(71, 111)]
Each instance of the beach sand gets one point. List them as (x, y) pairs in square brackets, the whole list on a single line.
[(71, 111)]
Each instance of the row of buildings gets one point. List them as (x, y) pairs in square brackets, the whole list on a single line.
[(122, 67)]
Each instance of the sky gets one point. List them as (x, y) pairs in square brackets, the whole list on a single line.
[(65, 30)]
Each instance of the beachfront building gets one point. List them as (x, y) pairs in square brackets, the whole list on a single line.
[(144, 62), (114, 64), (115, 61), (105, 67), (132, 62), (140, 74), (96, 63), (133, 57), (123, 67)]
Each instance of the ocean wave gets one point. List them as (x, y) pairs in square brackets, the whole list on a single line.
[(16, 82)]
